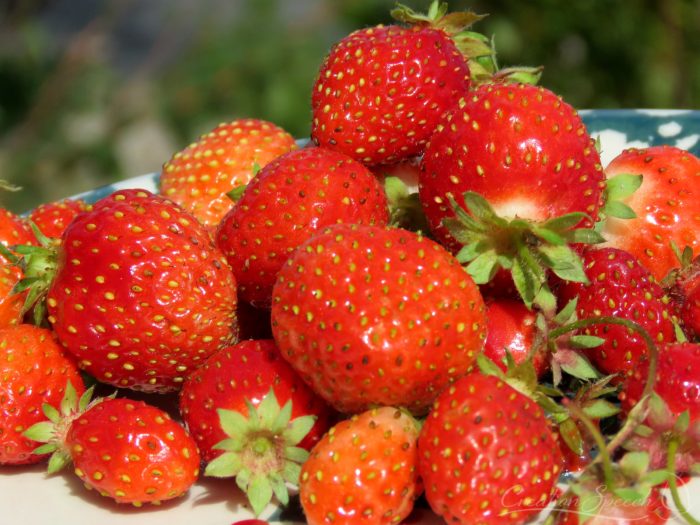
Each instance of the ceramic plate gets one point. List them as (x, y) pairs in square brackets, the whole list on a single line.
[(28, 497)]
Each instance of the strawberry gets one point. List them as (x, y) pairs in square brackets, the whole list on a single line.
[(620, 286), (33, 370), (235, 376), (11, 303), (288, 201), (683, 287), (127, 450), (677, 391), (53, 218), (381, 90), (13, 230), (511, 328), (141, 295), (363, 471), (374, 316), (666, 206), (199, 176), (486, 454), (521, 147)]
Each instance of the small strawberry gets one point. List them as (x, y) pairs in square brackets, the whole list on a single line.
[(235, 376), (683, 287), (486, 454), (288, 201), (376, 316), (621, 287), (380, 91), (141, 295), (666, 206), (363, 471), (511, 328), (199, 177), (674, 410), (53, 218), (33, 370), (127, 450), (13, 232)]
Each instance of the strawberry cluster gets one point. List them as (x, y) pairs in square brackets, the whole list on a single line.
[(443, 298)]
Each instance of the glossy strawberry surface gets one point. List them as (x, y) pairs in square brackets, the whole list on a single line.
[(54, 217), (141, 295), (376, 316)]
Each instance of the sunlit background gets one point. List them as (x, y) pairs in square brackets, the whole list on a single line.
[(92, 91)]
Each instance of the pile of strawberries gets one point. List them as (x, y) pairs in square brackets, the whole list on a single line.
[(443, 297)]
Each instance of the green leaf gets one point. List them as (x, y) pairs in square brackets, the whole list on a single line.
[(619, 210), (283, 417), (259, 493), (585, 341), (296, 454), (564, 262), (480, 208), (546, 300), (679, 333), (469, 252), (580, 368), (85, 399), (57, 462), (622, 185), (233, 423), (236, 193), (268, 409), (600, 409), (395, 189), (227, 465), (465, 218), (589, 504), (46, 448), (488, 367), (232, 444), (571, 435), (548, 236), (636, 495), (682, 423), (51, 413), (42, 432), (279, 488), (291, 472), (565, 222), (524, 282), (655, 477), (565, 314), (584, 236), (483, 268), (299, 429)]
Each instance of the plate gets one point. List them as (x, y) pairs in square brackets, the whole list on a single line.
[(29, 497)]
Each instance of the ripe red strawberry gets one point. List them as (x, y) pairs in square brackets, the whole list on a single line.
[(620, 286), (666, 205), (288, 201), (683, 286), (363, 471), (33, 370), (486, 454), (199, 176), (511, 326), (13, 231), (677, 389), (141, 296), (381, 91), (235, 376), (374, 316), (10, 303), (127, 450), (53, 218), (519, 146)]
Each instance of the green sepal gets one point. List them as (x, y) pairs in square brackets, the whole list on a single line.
[(678, 332), (585, 341), (623, 185), (580, 367), (236, 193), (564, 262), (299, 428), (634, 465), (619, 210), (682, 423), (568, 313), (655, 477), (260, 493), (232, 423), (488, 367), (636, 495), (42, 432), (584, 236), (483, 267), (600, 409), (58, 461)]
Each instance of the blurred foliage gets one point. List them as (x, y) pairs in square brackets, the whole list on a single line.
[(118, 88)]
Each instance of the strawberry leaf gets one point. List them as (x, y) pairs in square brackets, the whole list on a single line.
[(600, 409), (483, 267), (259, 493), (564, 262), (567, 314), (622, 185), (585, 341), (619, 210), (226, 465)]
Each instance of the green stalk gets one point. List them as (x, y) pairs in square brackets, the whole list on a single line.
[(673, 484)]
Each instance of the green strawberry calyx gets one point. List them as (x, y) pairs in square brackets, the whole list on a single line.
[(262, 450), (52, 433), (529, 250), (478, 49)]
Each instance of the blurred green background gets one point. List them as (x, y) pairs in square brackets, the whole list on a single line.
[(92, 91)]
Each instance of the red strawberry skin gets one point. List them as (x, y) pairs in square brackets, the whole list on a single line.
[(246, 371), (33, 370), (362, 471), (199, 176), (521, 147), (132, 452), (53, 218), (14, 231), (141, 295), (10, 303), (620, 286), (486, 454), (684, 291), (510, 325), (289, 200), (381, 91), (666, 204), (374, 316)]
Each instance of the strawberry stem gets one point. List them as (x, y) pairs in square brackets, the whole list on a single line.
[(673, 484)]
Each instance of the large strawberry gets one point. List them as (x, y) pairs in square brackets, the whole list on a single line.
[(486, 454), (381, 90), (363, 471), (235, 376), (33, 370), (127, 450), (141, 296), (620, 286), (199, 176), (375, 316), (666, 205), (288, 201)]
